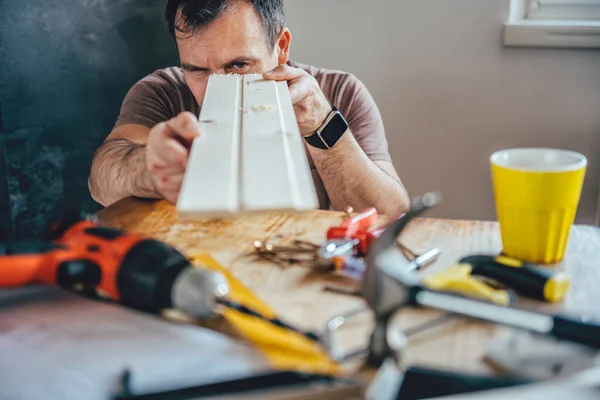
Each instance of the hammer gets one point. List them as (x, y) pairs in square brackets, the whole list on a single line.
[(388, 288)]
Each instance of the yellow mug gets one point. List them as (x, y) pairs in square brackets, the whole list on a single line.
[(537, 193)]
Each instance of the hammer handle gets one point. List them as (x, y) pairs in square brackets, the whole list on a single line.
[(560, 327)]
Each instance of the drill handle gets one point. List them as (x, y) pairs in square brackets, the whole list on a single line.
[(19, 270), (22, 263)]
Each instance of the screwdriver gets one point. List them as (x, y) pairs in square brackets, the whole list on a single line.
[(529, 280), (199, 292), (459, 279)]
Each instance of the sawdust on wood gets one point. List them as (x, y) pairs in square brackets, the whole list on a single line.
[(266, 107)]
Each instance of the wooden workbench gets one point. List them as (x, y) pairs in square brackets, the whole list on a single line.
[(297, 293)]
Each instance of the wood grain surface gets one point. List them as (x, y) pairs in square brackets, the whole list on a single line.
[(297, 294)]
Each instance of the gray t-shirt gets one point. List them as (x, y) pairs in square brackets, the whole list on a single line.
[(163, 94)]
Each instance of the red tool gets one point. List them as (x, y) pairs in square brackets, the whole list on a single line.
[(357, 227)]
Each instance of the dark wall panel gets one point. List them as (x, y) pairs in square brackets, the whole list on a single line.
[(65, 66), (47, 172), (6, 231)]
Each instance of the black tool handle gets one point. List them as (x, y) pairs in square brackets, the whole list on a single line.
[(560, 327), (425, 383), (237, 387), (525, 279), (576, 331)]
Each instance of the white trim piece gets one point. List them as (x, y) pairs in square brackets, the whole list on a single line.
[(210, 184), (521, 31), (267, 179), (568, 34), (564, 9), (298, 162), (250, 150)]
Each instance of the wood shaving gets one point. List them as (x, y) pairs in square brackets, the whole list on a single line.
[(266, 107)]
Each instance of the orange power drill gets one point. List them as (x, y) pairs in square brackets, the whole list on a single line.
[(133, 270)]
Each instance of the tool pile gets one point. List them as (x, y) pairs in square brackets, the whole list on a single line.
[(149, 275), (343, 250), (497, 279)]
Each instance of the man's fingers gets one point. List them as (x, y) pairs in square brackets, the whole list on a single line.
[(185, 126), (169, 186), (170, 183), (283, 72), (167, 155), (299, 89), (174, 153)]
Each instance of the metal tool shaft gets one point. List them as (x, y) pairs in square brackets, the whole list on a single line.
[(514, 317), (425, 259), (560, 327)]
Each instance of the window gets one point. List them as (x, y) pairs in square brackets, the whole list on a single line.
[(553, 23)]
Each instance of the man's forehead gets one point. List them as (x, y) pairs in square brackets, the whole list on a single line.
[(206, 52), (210, 53), (238, 27)]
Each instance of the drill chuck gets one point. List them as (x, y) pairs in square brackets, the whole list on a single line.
[(196, 291)]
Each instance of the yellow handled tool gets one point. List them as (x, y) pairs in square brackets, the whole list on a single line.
[(540, 283), (458, 279), (285, 349)]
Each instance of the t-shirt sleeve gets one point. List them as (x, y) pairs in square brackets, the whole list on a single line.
[(363, 117), (146, 103)]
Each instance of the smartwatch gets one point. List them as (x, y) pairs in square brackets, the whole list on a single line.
[(330, 131)]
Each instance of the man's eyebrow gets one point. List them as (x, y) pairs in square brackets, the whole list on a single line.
[(245, 60), (191, 67)]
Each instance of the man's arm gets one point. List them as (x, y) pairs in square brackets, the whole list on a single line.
[(352, 179), (119, 166), (138, 161)]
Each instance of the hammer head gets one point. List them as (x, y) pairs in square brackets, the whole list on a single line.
[(387, 281)]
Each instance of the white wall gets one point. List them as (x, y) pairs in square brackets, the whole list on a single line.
[(451, 94)]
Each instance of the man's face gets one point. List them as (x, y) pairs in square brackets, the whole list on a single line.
[(233, 43)]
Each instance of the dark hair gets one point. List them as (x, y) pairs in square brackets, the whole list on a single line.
[(197, 14)]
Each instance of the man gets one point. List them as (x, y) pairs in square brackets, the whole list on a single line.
[(146, 153)]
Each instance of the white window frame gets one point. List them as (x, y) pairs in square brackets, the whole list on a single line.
[(553, 23)]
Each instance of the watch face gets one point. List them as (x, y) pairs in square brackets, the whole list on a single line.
[(334, 129)]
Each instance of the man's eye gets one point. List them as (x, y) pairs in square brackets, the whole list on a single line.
[(197, 72), (239, 65)]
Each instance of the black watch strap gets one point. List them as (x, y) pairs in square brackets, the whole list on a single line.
[(315, 140), (330, 132)]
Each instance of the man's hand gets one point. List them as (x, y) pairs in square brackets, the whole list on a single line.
[(167, 153), (349, 176), (310, 104)]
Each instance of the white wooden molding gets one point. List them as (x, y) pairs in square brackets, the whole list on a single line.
[(210, 184), (250, 156)]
